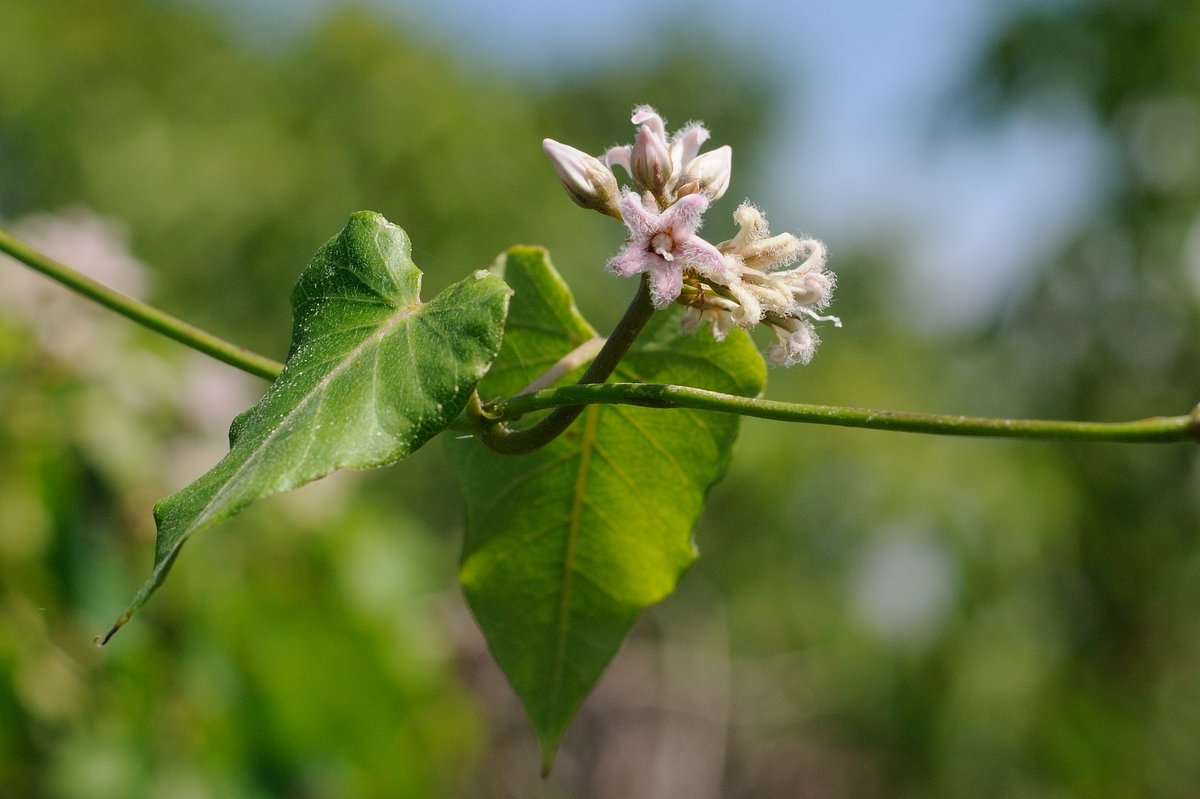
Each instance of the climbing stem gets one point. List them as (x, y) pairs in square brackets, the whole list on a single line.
[(1155, 429), (501, 438), (140, 312)]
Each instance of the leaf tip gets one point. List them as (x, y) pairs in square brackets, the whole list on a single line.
[(101, 640), (548, 752)]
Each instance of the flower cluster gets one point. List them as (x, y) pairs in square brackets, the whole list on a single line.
[(753, 278)]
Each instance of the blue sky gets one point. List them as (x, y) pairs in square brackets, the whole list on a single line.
[(855, 157)]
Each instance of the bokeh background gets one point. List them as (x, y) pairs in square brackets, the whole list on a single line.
[(1011, 196)]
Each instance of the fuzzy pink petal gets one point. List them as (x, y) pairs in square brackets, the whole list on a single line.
[(619, 155), (642, 224), (645, 115), (696, 253), (685, 144), (632, 260), (666, 281), (684, 217)]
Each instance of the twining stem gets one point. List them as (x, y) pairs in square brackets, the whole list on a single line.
[(568, 401), (1155, 429), (140, 312), (501, 438)]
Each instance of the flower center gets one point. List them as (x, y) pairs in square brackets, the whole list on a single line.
[(662, 243)]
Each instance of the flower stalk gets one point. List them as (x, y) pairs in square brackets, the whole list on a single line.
[(501, 438)]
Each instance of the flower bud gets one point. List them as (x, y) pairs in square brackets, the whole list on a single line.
[(587, 180), (708, 173), (650, 161)]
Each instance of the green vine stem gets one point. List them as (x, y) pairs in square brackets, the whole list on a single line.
[(500, 438), (140, 312), (569, 401), (1155, 429)]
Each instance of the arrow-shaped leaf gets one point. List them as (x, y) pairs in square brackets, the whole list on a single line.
[(568, 545), (372, 374)]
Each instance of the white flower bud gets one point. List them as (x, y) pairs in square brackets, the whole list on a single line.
[(708, 173), (587, 180), (772, 253), (749, 311)]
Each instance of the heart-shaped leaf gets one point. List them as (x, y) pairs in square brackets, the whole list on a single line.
[(372, 374), (568, 545)]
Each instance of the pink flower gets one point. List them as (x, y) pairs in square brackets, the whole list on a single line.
[(666, 245)]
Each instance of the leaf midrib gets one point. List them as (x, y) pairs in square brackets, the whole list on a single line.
[(586, 443), (390, 324)]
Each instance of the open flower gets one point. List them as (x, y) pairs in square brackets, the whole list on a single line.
[(665, 245)]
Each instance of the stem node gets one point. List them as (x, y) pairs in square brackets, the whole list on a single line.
[(498, 437)]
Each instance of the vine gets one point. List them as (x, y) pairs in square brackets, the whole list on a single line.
[(573, 527)]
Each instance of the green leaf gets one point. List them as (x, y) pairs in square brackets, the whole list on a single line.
[(372, 374), (568, 545)]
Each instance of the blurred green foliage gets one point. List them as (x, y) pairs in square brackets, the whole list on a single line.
[(872, 615)]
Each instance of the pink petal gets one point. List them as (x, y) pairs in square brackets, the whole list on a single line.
[(631, 260), (645, 115), (685, 144), (698, 254), (666, 281), (642, 224), (619, 155), (684, 217)]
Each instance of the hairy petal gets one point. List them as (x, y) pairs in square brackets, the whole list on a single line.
[(620, 155), (686, 143), (685, 216), (631, 260), (706, 259), (642, 223), (645, 115), (666, 281)]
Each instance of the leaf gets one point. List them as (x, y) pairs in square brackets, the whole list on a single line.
[(372, 374), (568, 545)]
